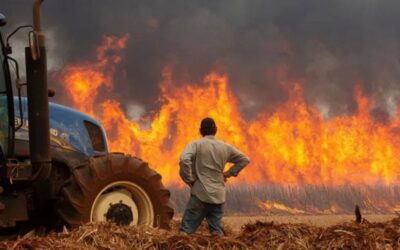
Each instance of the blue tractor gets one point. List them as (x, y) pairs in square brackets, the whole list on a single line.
[(55, 166)]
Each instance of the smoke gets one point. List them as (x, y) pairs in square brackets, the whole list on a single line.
[(263, 45), (134, 112), (20, 41)]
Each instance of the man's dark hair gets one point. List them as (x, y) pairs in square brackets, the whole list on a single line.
[(208, 127)]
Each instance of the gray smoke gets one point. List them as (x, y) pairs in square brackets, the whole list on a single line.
[(261, 44)]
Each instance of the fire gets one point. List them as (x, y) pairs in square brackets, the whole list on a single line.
[(82, 82), (294, 144), (278, 208)]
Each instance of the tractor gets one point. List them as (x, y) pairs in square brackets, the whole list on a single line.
[(55, 166)]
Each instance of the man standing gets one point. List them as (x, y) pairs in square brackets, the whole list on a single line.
[(202, 167)]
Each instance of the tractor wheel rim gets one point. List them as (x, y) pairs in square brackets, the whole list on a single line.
[(128, 194)]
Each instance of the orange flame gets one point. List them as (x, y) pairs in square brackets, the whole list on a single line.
[(293, 145), (278, 208), (83, 82)]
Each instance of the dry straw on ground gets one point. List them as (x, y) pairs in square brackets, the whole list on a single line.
[(259, 235), (110, 236)]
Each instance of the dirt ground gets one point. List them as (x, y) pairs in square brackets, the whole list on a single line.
[(285, 232), (236, 222)]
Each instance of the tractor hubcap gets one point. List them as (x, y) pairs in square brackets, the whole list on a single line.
[(124, 203), (120, 214)]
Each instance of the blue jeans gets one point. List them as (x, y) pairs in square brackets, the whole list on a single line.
[(195, 213)]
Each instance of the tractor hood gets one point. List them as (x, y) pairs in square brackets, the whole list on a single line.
[(69, 129)]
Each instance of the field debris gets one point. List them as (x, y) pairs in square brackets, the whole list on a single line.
[(110, 236), (258, 235), (360, 236), (262, 235)]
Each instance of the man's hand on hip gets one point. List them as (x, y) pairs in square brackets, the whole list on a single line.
[(226, 175)]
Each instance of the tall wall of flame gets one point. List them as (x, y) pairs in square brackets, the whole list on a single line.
[(293, 144)]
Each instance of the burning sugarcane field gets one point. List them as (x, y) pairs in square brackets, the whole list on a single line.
[(229, 124)]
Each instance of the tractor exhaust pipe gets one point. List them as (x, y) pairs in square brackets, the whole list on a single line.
[(37, 23), (38, 104)]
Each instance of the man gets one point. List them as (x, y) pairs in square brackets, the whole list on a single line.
[(202, 167)]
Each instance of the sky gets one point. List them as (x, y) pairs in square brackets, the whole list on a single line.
[(262, 45)]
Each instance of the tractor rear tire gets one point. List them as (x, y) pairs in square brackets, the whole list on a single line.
[(103, 179)]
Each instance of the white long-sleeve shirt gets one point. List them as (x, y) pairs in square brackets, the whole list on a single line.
[(202, 165)]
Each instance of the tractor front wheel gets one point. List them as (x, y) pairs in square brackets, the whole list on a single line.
[(116, 188)]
